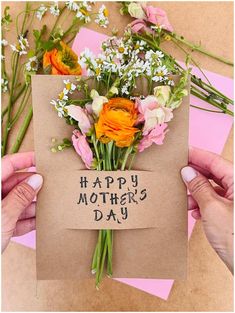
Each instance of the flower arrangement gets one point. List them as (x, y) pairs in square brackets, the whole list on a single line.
[(112, 121), (41, 50)]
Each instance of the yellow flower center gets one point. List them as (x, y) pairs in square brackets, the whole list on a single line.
[(97, 71), (167, 38), (18, 47), (68, 86), (61, 95), (121, 49), (84, 11), (137, 46), (160, 74), (106, 12)]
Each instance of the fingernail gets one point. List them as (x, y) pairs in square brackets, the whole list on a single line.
[(188, 173), (35, 181)]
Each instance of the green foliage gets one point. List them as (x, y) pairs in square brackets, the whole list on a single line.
[(6, 19)]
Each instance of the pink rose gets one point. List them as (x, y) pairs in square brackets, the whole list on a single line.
[(138, 26), (82, 148), (152, 113), (158, 17), (80, 115), (156, 135)]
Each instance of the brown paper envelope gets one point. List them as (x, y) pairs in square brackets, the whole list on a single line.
[(62, 253)]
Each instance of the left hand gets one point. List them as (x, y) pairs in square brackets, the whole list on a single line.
[(18, 192)]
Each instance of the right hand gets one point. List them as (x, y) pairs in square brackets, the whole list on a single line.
[(212, 204)]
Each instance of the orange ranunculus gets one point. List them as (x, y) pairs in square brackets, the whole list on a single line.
[(116, 121), (62, 62)]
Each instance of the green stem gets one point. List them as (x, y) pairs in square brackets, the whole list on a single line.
[(109, 236), (99, 248), (127, 153), (198, 48), (9, 109), (203, 109), (207, 99), (104, 253), (22, 131), (21, 107)]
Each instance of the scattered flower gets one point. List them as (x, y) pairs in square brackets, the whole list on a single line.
[(82, 148), (79, 115), (72, 5), (54, 9), (116, 122), (70, 87), (83, 12), (152, 113), (98, 102), (41, 11), (102, 17), (21, 46), (32, 64), (61, 62), (4, 42), (156, 135), (162, 93), (136, 10), (4, 85), (158, 17)]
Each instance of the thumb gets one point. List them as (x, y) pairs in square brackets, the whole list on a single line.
[(19, 198), (199, 187)]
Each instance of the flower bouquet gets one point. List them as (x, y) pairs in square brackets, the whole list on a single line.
[(112, 121)]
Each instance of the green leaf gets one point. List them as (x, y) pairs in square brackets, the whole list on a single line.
[(66, 141), (31, 53)]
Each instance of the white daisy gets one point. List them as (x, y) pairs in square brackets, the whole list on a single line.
[(54, 9), (4, 42), (102, 17), (72, 5), (41, 11), (69, 86), (4, 85), (32, 64)]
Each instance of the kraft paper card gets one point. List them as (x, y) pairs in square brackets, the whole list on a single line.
[(146, 206)]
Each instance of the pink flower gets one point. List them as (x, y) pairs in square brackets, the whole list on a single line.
[(138, 26), (80, 115), (158, 17), (156, 135), (152, 113), (82, 148)]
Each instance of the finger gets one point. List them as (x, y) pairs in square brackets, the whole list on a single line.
[(220, 168), (25, 226), (192, 204), (16, 162), (196, 214), (29, 212), (206, 173), (14, 180), (19, 198), (199, 187), (220, 191)]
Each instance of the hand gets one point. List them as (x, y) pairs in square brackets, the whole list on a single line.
[(18, 192), (213, 204)]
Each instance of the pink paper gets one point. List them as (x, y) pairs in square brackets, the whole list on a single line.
[(207, 130)]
